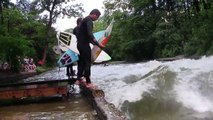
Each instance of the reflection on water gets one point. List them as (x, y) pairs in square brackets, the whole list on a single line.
[(74, 108)]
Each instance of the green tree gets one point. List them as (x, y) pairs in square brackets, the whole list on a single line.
[(13, 44), (54, 10), (156, 28), (201, 41)]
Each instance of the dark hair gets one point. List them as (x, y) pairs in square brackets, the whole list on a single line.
[(79, 21), (96, 12)]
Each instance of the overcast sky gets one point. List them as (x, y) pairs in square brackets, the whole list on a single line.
[(88, 5)]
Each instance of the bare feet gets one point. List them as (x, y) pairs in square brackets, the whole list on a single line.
[(89, 85), (78, 82)]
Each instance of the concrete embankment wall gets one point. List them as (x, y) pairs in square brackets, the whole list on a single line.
[(104, 109)]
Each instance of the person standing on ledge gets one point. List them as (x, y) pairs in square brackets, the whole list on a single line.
[(76, 29), (70, 71), (84, 38)]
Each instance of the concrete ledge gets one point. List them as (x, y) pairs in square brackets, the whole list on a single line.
[(104, 109), (171, 58), (13, 78)]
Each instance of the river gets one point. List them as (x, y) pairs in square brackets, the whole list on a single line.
[(176, 90)]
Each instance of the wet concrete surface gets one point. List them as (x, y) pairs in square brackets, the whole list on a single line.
[(8, 77)]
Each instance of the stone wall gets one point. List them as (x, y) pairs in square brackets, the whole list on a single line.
[(104, 109)]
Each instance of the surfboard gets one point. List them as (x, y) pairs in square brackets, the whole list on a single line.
[(69, 41), (67, 58), (103, 40), (57, 50)]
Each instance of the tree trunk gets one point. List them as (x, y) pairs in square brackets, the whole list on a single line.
[(48, 26), (205, 5), (1, 12), (44, 55), (196, 4)]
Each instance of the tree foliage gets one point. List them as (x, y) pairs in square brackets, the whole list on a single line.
[(26, 29), (14, 44), (51, 10), (148, 29), (143, 29)]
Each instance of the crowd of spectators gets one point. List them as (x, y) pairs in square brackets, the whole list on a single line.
[(27, 65)]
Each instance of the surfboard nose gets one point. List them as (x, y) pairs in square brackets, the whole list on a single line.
[(57, 34)]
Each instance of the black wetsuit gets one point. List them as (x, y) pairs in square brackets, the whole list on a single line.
[(70, 71), (84, 37), (75, 30)]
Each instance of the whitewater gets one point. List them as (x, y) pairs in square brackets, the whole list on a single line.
[(154, 90)]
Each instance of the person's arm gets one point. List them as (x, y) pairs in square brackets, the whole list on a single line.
[(91, 36)]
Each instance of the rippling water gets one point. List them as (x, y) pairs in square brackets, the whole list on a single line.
[(74, 108), (177, 90)]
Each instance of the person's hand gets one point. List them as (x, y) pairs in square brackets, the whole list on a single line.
[(101, 46)]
